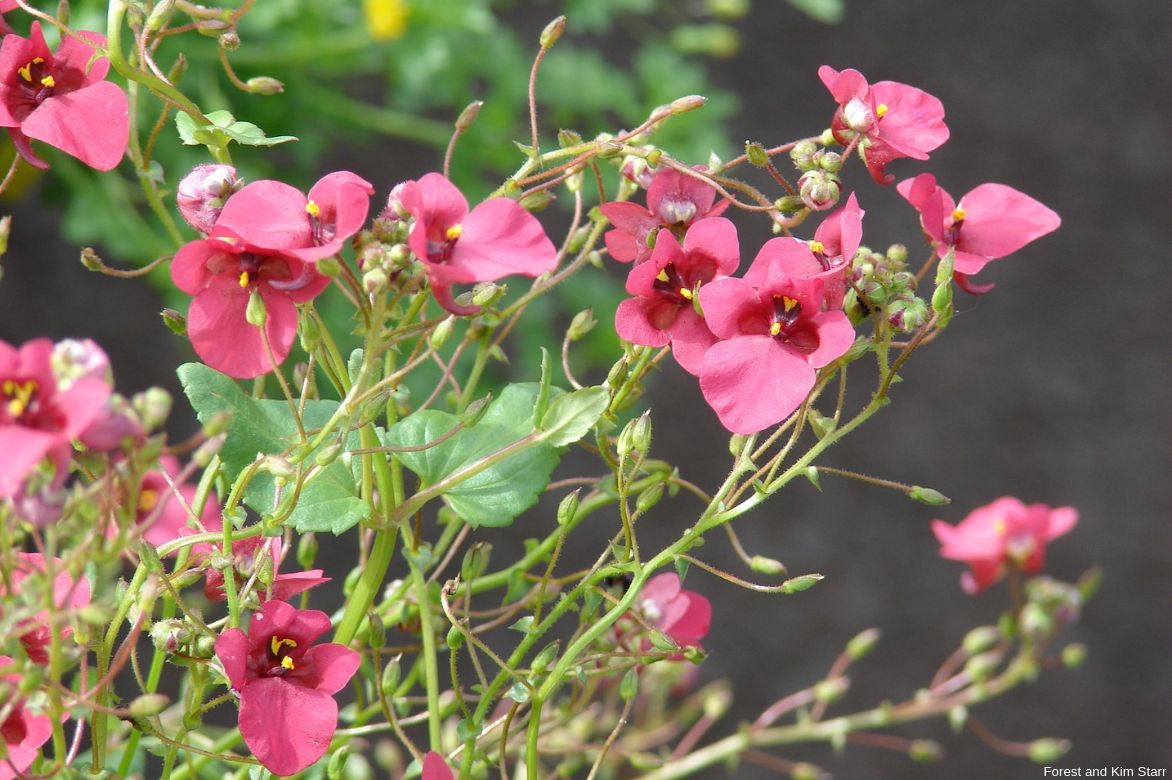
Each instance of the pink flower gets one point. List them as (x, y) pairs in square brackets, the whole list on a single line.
[(246, 557), (266, 241), (683, 615), (497, 238), (894, 120), (116, 423), (37, 418), (23, 732), (990, 221), (664, 287), (201, 194), (161, 515), (774, 331), (674, 200), (435, 768), (51, 97), (68, 594), (286, 684), (1005, 533)]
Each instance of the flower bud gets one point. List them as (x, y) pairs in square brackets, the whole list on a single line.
[(255, 312), (157, 18), (980, 639), (617, 374), (537, 201), (307, 550), (768, 566), (475, 561), (229, 41), (688, 103), (487, 293), (90, 260), (982, 666), (819, 190), (147, 705), (1073, 655), (328, 266), (1047, 751), (468, 115), (455, 638), (789, 204), (202, 193), (568, 138), (925, 751), (649, 498), (831, 162), (629, 687), (800, 583), (568, 508), (802, 155), (958, 716), (831, 690), (374, 281), (928, 496), (863, 643), (153, 407), (582, 324), (638, 170), (552, 32), (756, 154)]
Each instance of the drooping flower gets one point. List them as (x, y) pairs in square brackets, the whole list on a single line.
[(201, 194), (894, 120), (265, 242), (435, 768), (497, 238), (683, 615), (248, 555), (775, 330), (37, 418), (666, 285), (990, 222), (68, 593), (163, 510), (22, 731), (62, 99), (674, 201), (286, 684), (1005, 534)]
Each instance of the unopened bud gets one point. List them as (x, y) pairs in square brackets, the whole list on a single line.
[(229, 41), (942, 304), (803, 155), (819, 190), (1047, 751), (1073, 655), (552, 32), (928, 496), (374, 281), (617, 374), (789, 204), (255, 312), (629, 687), (803, 582), (328, 454), (277, 466), (307, 550), (336, 766), (717, 702), (153, 407), (925, 751), (662, 642), (980, 639), (487, 293), (983, 665), (649, 498), (475, 561), (328, 266), (958, 716), (90, 259), (157, 17), (390, 677), (212, 28), (897, 254), (831, 162), (438, 337), (831, 690), (455, 638), (169, 635), (804, 771), (147, 705), (756, 154), (568, 508), (908, 315), (863, 643), (1036, 621), (641, 434), (568, 138), (768, 566), (582, 324), (308, 331), (468, 115)]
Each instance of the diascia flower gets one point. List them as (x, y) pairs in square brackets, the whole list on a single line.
[(286, 684), (249, 554), (161, 515), (674, 201), (1005, 534), (435, 768), (497, 238), (774, 333), (37, 418), (22, 731), (52, 97), (265, 241), (683, 615), (894, 120), (68, 593), (665, 286), (990, 221)]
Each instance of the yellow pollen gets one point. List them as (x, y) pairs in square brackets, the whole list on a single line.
[(276, 643), (15, 407), (958, 215), (25, 72), (662, 276), (287, 662), (999, 526), (775, 328), (817, 246), (20, 395), (788, 303), (312, 209), (686, 294), (38, 60), (147, 500), (48, 81), (244, 278), (454, 232), (880, 109)]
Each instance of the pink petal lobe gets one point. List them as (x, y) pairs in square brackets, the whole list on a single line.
[(435, 768), (999, 220), (286, 726), (91, 124), (914, 122), (286, 586), (843, 85), (634, 319), (437, 200), (714, 238), (333, 665), (23, 448), (500, 238), (690, 339), (752, 382), (224, 339), (835, 337), (267, 214), (189, 268), (76, 52), (232, 650), (1062, 519), (727, 303)]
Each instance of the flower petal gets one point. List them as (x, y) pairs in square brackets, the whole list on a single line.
[(332, 666), (91, 124), (286, 726), (232, 650), (267, 214), (752, 382), (500, 238), (999, 220)]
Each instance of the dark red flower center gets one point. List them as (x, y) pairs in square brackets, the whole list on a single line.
[(441, 241), (252, 268), (670, 283), (36, 81), (787, 324), (280, 657), (323, 232), (14, 729), (952, 231)]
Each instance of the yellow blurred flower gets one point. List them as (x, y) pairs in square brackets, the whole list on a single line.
[(385, 19)]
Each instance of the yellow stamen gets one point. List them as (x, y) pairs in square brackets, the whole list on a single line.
[(20, 395), (817, 246), (788, 303), (25, 72), (662, 276), (999, 526), (147, 500), (287, 662), (880, 109), (48, 81), (15, 408), (686, 294), (312, 209), (244, 278), (775, 328), (454, 232), (958, 215), (276, 643)]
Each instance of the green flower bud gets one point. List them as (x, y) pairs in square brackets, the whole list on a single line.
[(390, 677), (329, 266), (804, 771), (768, 566), (90, 259), (439, 336), (568, 138), (1073, 655), (862, 643), (802, 155), (831, 690), (928, 496), (255, 312), (547, 655), (307, 550), (617, 374), (789, 204), (662, 642), (264, 85), (229, 41), (980, 639), (169, 635), (1047, 751), (328, 454), (455, 638), (153, 407), (982, 666), (756, 154), (629, 687), (831, 162), (568, 508), (897, 254), (1036, 621), (468, 115), (819, 190), (487, 293), (925, 751), (475, 561), (147, 705), (175, 322), (649, 498), (335, 769), (582, 324), (801, 583), (552, 32), (957, 718), (374, 281)]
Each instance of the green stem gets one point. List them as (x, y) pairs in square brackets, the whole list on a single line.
[(431, 665)]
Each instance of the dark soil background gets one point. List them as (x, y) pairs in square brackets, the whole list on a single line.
[(1053, 388)]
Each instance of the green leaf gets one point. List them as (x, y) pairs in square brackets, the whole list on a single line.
[(572, 415), (329, 497), (825, 11), (222, 129), (496, 495)]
